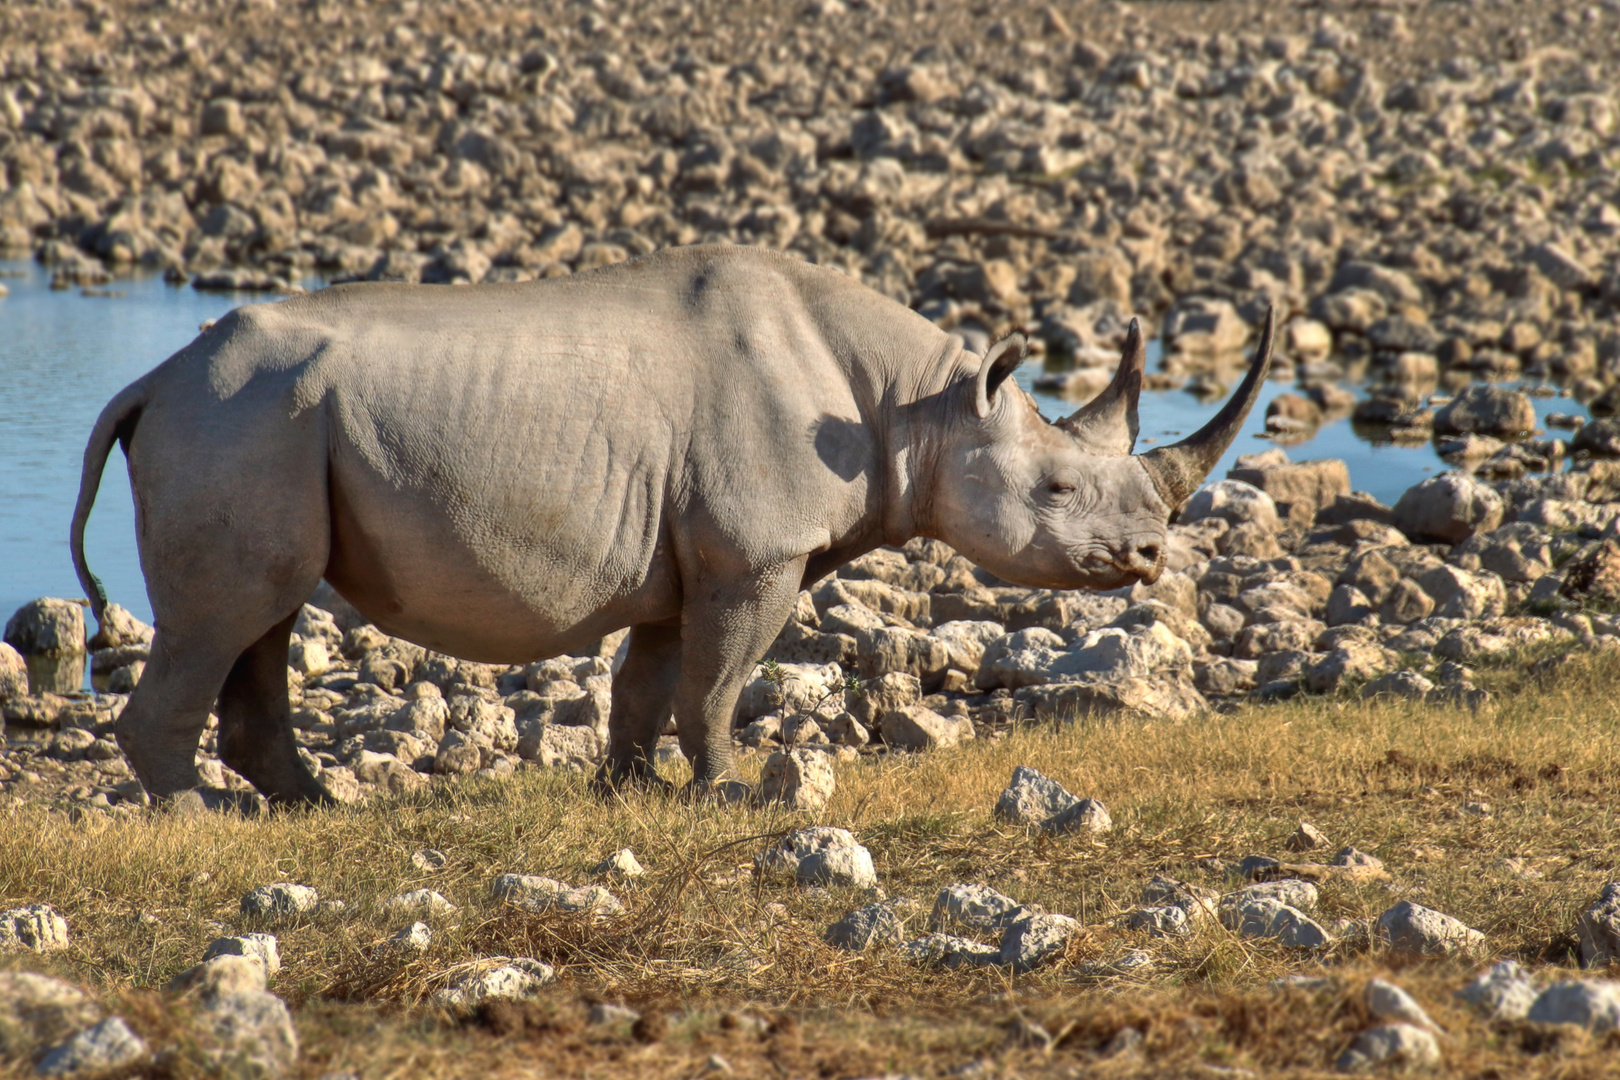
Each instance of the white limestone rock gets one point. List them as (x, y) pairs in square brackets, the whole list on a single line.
[(281, 899), (105, 1048), (36, 927)]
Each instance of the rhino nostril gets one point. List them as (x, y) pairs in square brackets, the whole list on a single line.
[(1149, 553)]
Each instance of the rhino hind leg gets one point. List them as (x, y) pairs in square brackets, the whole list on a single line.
[(164, 718), (234, 533), (255, 723), (643, 698)]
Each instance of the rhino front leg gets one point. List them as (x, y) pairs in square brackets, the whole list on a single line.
[(643, 696), (726, 627)]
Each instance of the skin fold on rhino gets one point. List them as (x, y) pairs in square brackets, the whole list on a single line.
[(502, 473)]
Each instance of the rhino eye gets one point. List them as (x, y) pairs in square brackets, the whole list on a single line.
[(1060, 487)]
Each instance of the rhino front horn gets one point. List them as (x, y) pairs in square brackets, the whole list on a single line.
[(1179, 468), (1108, 422)]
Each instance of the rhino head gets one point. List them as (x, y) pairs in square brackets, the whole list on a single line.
[(1069, 505)]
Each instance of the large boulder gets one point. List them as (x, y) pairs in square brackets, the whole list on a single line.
[(1396, 287), (798, 688), (107, 1047), (47, 627), (966, 640), (876, 924), (49, 635), (1296, 634), (1448, 508), (1420, 931), (1032, 798), (1085, 816), (1021, 650), (873, 594), (1265, 917), (1029, 942), (259, 947), (1594, 574), (1109, 653), (1502, 992), (917, 728), (887, 692), (949, 951), (559, 745), (492, 727), (798, 779), (975, 906), (36, 927), (1459, 594), (1404, 1045), (119, 629), (532, 892), (13, 673), (1556, 263), (1518, 551), (1483, 409), (837, 866), (523, 978), (1593, 1005), (1598, 929), (796, 846), (1599, 438), (1299, 489), (283, 898), (220, 975), (885, 649), (1233, 501), (37, 1011), (1205, 326), (1350, 663)]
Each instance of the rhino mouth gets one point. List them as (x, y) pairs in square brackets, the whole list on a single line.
[(1146, 573)]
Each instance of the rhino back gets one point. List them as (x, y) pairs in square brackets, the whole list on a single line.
[(548, 454)]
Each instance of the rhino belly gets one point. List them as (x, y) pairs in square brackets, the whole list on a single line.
[(497, 569)]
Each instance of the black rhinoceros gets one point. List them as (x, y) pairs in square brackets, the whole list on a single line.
[(677, 444)]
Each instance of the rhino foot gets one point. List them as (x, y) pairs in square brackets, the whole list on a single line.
[(609, 782), (202, 800), (726, 792), (309, 791)]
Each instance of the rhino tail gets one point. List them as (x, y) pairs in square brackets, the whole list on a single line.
[(116, 423)]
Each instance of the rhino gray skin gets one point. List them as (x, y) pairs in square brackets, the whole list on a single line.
[(677, 444)]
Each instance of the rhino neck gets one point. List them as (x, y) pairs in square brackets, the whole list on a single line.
[(919, 409)]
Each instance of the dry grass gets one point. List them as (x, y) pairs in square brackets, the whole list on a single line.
[(706, 939)]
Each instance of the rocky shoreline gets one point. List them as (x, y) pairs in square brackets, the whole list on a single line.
[(1280, 581)]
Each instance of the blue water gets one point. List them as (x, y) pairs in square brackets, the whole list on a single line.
[(63, 355)]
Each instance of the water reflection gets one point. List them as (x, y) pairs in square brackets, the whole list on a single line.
[(55, 674)]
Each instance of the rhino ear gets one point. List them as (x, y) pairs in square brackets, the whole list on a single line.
[(1000, 361)]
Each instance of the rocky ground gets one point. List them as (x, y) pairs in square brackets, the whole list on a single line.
[(1281, 581)]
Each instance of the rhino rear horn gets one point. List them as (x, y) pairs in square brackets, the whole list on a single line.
[(1108, 422), (1179, 468)]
